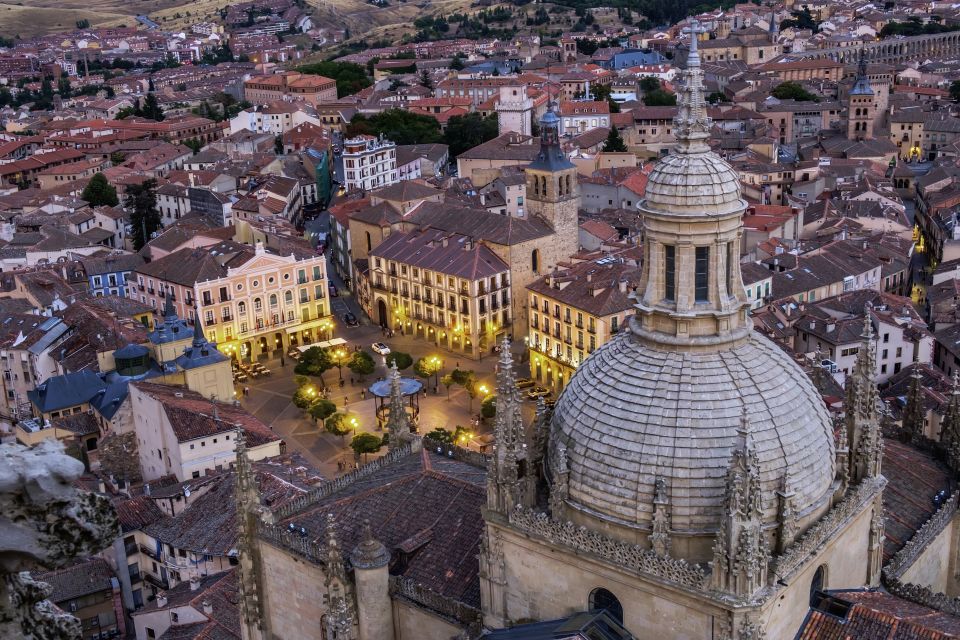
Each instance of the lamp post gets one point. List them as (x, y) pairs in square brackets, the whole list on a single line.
[(436, 364), (339, 356)]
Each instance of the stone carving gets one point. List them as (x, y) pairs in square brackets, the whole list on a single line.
[(691, 124), (333, 486), (825, 528), (740, 553), (950, 427), (751, 630), (861, 409), (469, 456), (248, 508), (924, 596), (787, 517), (876, 544), (660, 534), (843, 463), (631, 556), (541, 430), (509, 482), (560, 485), (44, 523), (404, 587), (339, 601), (914, 413), (904, 558), (370, 552)]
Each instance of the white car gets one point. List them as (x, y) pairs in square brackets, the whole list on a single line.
[(380, 348)]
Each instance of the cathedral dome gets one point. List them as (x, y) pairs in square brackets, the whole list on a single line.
[(690, 183), (633, 414)]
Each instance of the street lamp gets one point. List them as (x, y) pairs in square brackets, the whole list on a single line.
[(436, 363), (339, 356), (484, 389)]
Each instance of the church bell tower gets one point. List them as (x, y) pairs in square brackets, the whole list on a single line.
[(553, 192)]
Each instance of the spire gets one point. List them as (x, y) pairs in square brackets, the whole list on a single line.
[(398, 423), (692, 125), (861, 85), (914, 413), (509, 481), (660, 532), (169, 313), (861, 409), (199, 339), (370, 553), (339, 616), (950, 426), (334, 558), (248, 505)]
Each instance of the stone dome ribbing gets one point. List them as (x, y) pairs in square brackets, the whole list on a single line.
[(632, 413), (691, 183)]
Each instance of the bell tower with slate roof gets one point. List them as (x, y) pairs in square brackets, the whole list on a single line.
[(553, 192)]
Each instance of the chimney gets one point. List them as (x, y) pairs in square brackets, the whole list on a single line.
[(623, 286), (813, 324), (194, 583), (161, 599), (830, 327), (146, 489), (207, 608)]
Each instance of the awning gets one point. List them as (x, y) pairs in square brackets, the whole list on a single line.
[(336, 342)]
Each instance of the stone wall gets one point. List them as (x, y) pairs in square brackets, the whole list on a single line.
[(932, 568), (414, 623), (293, 594)]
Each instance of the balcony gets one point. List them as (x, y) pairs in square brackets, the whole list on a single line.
[(227, 319), (135, 576), (157, 582), (144, 549), (207, 301), (130, 548)]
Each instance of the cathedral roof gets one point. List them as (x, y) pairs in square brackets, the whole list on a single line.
[(425, 509)]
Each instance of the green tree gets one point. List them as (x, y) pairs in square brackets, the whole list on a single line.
[(441, 435), (117, 157), (649, 83), (402, 127), (361, 363), (793, 91), (278, 145), (660, 98), (425, 79), (601, 92), (717, 96), (488, 408), (151, 108), (955, 90), (350, 77), (337, 424), (304, 397), (99, 192), (403, 360), (314, 362), (141, 201), (614, 143), (193, 144), (471, 386), (466, 132), (63, 87), (322, 409), (365, 443), (457, 63)]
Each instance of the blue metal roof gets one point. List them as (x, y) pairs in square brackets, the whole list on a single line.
[(408, 387)]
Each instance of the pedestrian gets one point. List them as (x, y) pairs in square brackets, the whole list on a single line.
[(341, 383), (363, 394), (346, 401), (457, 365), (351, 381), (246, 391)]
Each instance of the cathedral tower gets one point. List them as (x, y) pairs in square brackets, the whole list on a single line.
[(861, 106), (553, 192)]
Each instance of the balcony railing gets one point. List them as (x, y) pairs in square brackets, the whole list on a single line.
[(157, 582), (148, 551)]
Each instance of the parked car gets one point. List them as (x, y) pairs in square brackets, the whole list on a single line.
[(380, 348), (333, 290), (350, 320), (524, 383), (537, 392)]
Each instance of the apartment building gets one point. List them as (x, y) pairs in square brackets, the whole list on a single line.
[(441, 287), (252, 301), (369, 163), (290, 85), (573, 311), (580, 116)]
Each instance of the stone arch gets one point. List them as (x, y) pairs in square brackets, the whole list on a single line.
[(603, 600), (818, 582)]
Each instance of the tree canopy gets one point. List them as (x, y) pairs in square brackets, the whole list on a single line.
[(337, 424), (141, 200), (403, 360), (402, 127), (426, 367), (361, 363), (914, 27), (466, 132), (660, 98), (99, 192), (614, 143), (365, 443), (313, 362), (350, 77), (793, 91)]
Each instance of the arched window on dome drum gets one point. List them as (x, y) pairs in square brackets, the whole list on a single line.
[(701, 281), (603, 600), (669, 272), (817, 584), (731, 257)]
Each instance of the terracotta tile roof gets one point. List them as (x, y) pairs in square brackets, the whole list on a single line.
[(188, 266), (423, 499), (221, 591), (591, 287), (76, 580), (444, 252), (192, 416), (480, 224), (136, 513), (875, 615)]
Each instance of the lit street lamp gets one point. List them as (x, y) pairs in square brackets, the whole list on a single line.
[(339, 354)]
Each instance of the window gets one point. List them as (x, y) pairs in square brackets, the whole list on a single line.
[(603, 600), (535, 261), (730, 268), (701, 270), (669, 271), (817, 584)]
